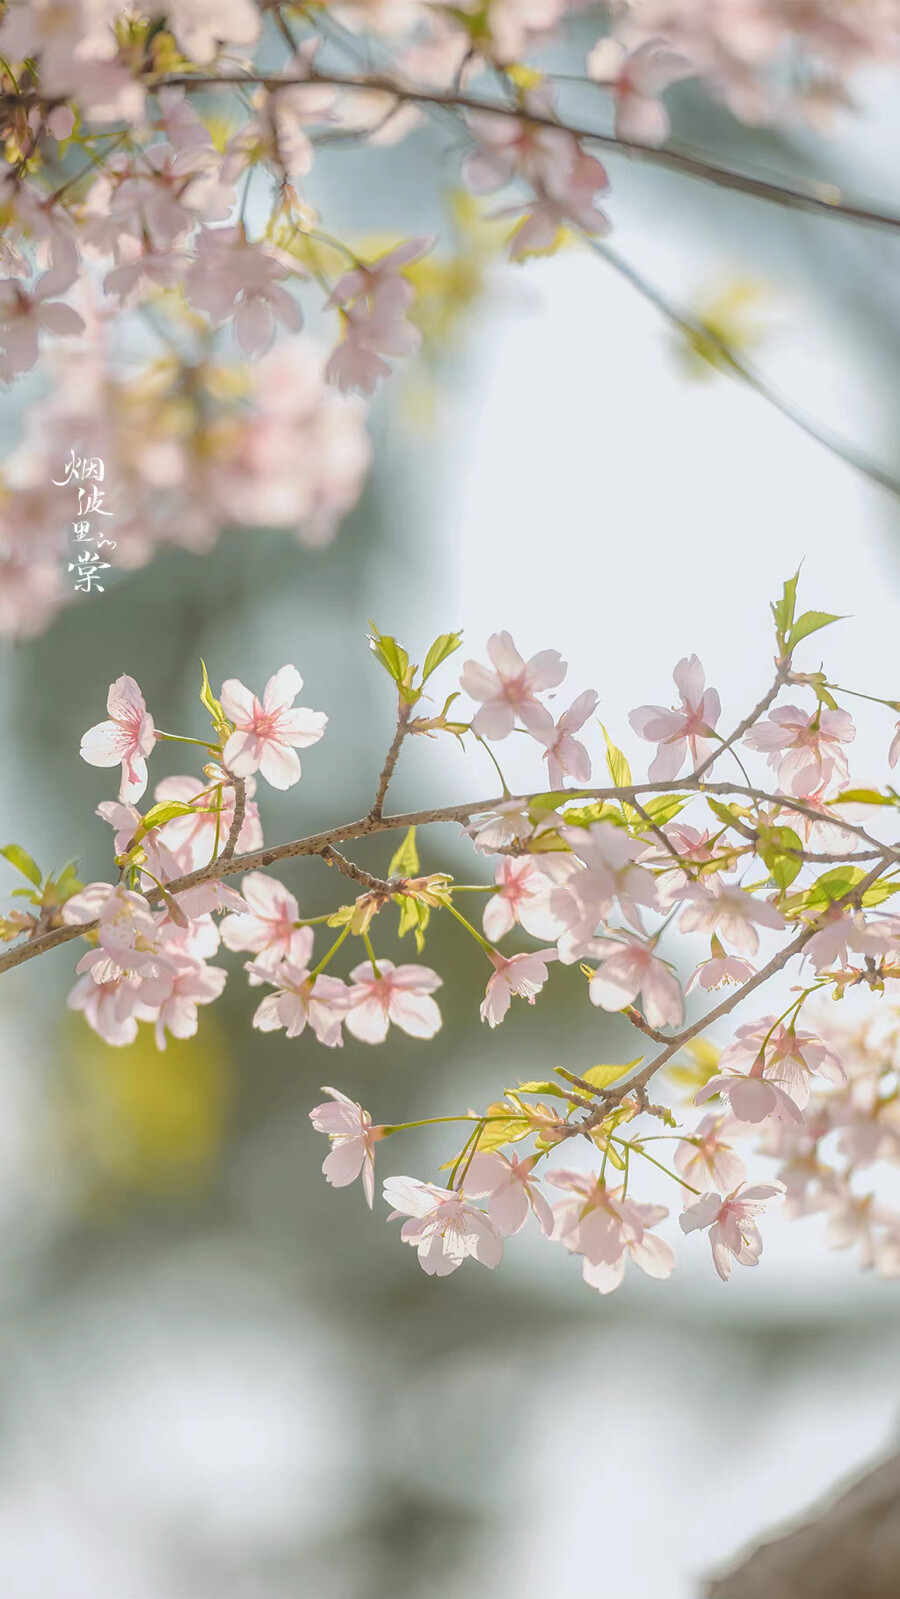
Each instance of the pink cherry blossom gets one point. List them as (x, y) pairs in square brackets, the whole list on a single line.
[(267, 734), (706, 1160), (444, 1227), (234, 280), (388, 993), (373, 301), (513, 1191), (524, 886), (692, 846), (270, 929), (353, 1140), (129, 937), (191, 984), (719, 971), (790, 1055), (727, 909), (524, 975), (299, 999), (637, 80), (25, 314), (732, 1229), (843, 932), (598, 1221), (752, 1098), (652, 1255), (688, 728), (565, 755), (127, 738), (510, 823), (629, 968), (805, 749), (194, 837), (509, 690), (610, 874)]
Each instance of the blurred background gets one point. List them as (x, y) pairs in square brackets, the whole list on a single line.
[(219, 1377)]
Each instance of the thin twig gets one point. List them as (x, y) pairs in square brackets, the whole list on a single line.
[(387, 771), (699, 332), (825, 200), (376, 885), (260, 859), (237, 820)]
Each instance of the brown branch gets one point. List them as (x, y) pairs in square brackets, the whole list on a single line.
[(376, 885), (387, 771), (638, 1082), (749, 720), (237, 820), (260, 859), (825, 200)]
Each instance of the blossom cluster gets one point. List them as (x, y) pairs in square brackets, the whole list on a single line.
[(777, 868), (156, 187)]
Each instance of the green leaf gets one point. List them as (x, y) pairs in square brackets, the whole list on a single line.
[(784, 868), (602, 1076), (616, 764), (415, 915), (22, 861), (405, 860), (395, 661), (542, 1088), (862, 796), (495, 1134), (661, 808), (810, 622), (834, 885), (208, 698), (783, 609), (600, 811), (879, 892), (440, 649), (158, 815)]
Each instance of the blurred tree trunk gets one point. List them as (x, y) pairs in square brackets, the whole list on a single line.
[(849, 1548)]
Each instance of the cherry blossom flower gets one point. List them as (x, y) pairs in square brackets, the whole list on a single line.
[(637, 79), (805, 749), (565, 755), (628, 968), (300, 999), (373, 300), (269, 929), (25, 314), (268, 734), (127, 738), (690, 727), (692, 846), (195, 837), (510, 823), (353, 1140), (524, 975), (203, 26), (706, 1161), (232, 279), (513, 1191), (510, 689), (444, 1227), (726, 909), (719, 971), (843, 931), (192, 983), (608, 856), (732, 1229), (109, 1007), (388, 993), (130, 938), (598, 1221), (752, 1098), (792, 1056), (126, 819), (524, 884), (652, 1255)]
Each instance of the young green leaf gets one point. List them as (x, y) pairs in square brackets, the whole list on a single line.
[(810, 622), (405, 860), (219, 719), (440, 649), (22, 861), (616, 764)]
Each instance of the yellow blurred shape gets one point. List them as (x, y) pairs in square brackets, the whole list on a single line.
[(726, 325), (144, 1121)]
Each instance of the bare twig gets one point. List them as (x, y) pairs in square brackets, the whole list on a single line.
[(376, 885), (823, 200), (387, 771), (237, 820)]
